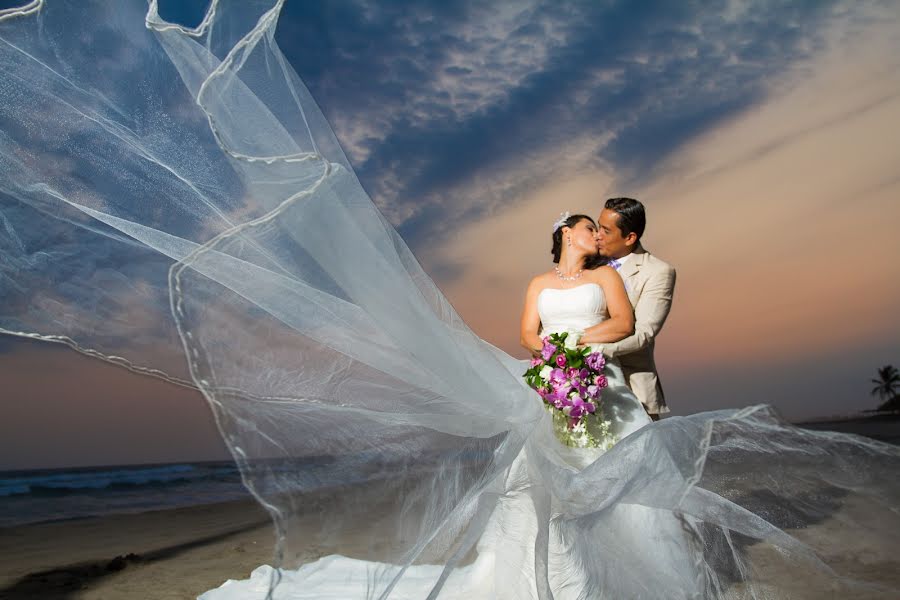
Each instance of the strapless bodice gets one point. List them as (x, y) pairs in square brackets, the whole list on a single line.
[(571, 309)]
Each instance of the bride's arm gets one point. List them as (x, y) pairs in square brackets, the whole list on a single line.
[(620, 323), (531, 320)]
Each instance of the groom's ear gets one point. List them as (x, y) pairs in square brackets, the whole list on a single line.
[(631, 239)]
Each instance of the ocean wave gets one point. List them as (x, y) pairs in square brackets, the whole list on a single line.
[(76, 481)]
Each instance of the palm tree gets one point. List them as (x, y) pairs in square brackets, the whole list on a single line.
[(886, 387)]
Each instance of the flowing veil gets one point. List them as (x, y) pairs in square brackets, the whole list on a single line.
[(173, 201)]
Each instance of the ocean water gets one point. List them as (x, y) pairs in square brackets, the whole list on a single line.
[(884, 428), (50, 495), (60, 494)]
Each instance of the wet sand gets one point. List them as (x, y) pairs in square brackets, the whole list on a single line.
[(183, 552), (177, 553), (180, 553)]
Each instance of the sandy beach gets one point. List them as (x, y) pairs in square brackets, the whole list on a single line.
[(180, 553), (167, 554)]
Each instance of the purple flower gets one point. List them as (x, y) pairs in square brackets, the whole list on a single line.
[(601, 381), (590, 407), (561, 360), (560, 396), (584, 373), (561, 390), (557, 376), (593, 391), (548, 350), (595, 361), (535, 362)]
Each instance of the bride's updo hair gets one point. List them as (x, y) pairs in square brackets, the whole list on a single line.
[(572, 221)]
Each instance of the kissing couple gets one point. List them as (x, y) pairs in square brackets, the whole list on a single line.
[(608, 290)]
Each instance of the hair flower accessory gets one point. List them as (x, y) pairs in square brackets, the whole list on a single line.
[(563, 217)]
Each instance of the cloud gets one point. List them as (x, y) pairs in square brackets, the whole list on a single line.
[(424, 64), (427, 97)]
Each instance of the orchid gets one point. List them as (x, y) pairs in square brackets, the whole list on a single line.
[(548, 350)]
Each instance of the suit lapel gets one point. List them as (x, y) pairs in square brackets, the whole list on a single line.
[(628, 271), (632, 266)]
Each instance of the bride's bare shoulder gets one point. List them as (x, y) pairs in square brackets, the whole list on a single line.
[(540, 281)]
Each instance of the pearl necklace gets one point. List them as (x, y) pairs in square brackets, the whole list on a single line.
[(568, 277)]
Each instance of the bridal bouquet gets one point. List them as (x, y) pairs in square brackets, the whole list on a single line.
[(570, 379)]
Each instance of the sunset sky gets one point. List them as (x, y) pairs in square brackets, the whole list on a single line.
[(763, 138)]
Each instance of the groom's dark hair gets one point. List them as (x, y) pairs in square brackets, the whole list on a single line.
[(631, 215)]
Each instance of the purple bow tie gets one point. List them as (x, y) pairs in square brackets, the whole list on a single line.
[(614, 264)]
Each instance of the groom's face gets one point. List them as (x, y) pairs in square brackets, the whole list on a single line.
[(610, 241)]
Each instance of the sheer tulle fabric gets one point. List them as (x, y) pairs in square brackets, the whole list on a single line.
[(172, 200)]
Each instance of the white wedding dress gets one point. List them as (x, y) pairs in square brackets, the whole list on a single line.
[(173, 201), (652, 539)]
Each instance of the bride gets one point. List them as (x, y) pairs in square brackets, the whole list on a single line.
[(572, 299), (186, 212)]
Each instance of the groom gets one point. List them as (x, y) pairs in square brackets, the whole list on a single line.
[(650, 284)]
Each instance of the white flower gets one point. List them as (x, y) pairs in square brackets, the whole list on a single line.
[(572, 340), (545, 372)]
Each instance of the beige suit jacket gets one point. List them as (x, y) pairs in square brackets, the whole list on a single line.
[(650, 284)]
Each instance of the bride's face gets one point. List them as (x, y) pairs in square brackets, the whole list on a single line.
[(584, 237)]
